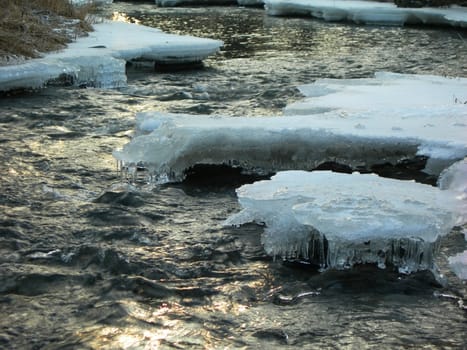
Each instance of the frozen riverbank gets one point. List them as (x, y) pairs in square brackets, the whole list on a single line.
[(99, 59)]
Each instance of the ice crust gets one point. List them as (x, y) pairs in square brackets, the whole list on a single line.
[(368, 12), (340, 127), (339, 220), (99, 59), (388, 92), (412, 98)]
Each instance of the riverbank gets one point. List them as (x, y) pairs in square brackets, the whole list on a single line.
[(30, 28), (99, 59)]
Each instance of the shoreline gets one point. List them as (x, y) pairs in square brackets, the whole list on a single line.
[(99, 59)]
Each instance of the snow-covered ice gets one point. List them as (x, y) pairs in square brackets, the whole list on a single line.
[(341, 130), (99, 59), (338, 220), (368, 12), (385, 92), (413, 99)]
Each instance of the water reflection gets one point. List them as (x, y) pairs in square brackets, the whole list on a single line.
[(87, 264)]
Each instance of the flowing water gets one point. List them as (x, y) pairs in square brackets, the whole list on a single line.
[(86, 263)]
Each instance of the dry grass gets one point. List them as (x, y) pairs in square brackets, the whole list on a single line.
[(31, 27)]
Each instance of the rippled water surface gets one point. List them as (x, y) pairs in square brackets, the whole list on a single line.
[(88, 262)]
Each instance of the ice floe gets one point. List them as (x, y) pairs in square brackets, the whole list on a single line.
[(99, 59), (458, 264), (385, 92), (368, 12), (335, 220), (339, 220), (343, 128)]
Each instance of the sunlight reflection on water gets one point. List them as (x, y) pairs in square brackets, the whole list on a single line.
[(155, 268)]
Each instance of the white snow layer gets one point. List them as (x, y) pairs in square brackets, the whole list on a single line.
[(338, 220), (99, 59), (368, 12), (409, 117)]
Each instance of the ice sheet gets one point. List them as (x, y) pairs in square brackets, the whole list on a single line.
[(168, 144), (385, 91), (339, 220), (368, 12), (99, 59), (390, 94)]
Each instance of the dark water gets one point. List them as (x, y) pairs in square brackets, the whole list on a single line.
[(89, 263)]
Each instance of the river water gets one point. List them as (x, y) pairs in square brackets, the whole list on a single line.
[(86, 263)]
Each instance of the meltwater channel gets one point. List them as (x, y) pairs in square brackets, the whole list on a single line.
[(87, 264)]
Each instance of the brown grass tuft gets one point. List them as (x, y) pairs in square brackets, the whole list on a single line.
[(31, 27)]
